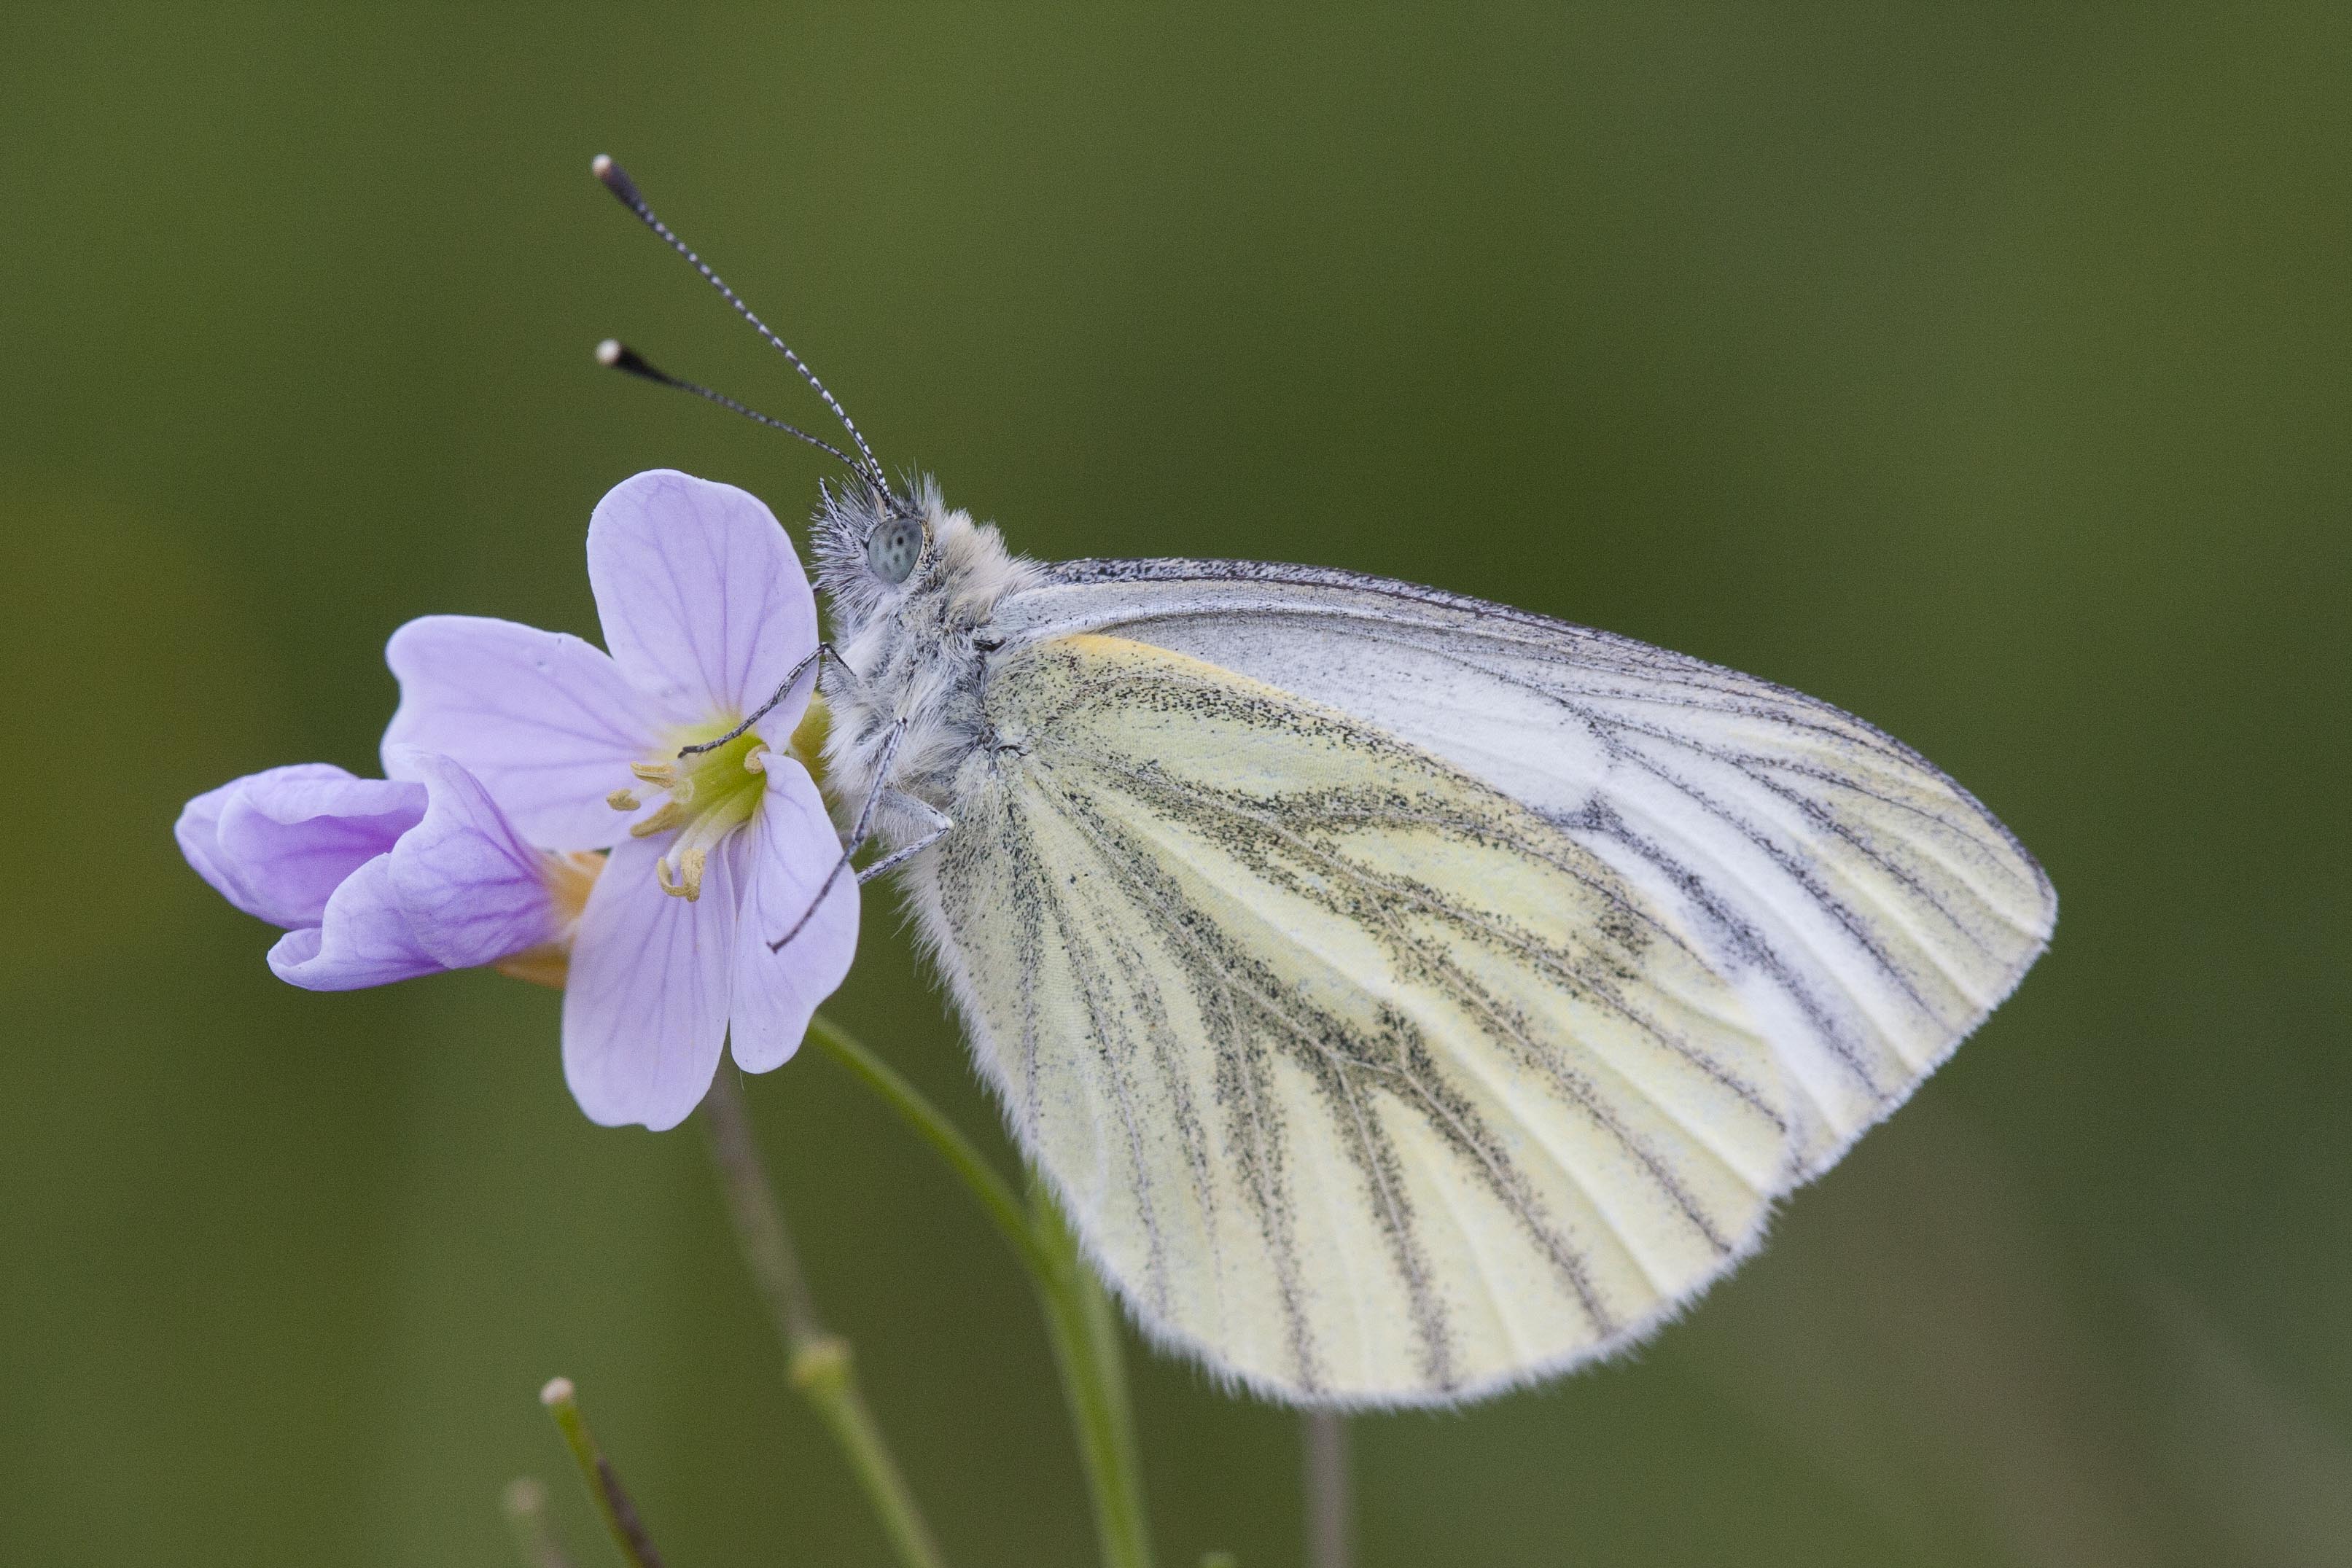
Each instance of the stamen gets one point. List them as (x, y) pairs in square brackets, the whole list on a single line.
[(673, 813), (688, 884), (709, 797)]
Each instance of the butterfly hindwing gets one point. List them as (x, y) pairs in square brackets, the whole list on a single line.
[(1362, 1080)]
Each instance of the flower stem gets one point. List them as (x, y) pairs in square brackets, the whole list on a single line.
[(1078, 1315), (603, 1483), (1330, 1511), (995, 1196), (817, 1362), (1086, 1344)]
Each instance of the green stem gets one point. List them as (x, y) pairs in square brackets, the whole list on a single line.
[(1079, 1316), (995, 1196), (1085, 1331), (818, 1362), (603, 1483)]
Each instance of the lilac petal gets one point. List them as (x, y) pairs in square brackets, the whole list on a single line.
[(198, 832), (291, 835), (792, 849), (365, 940), (295, 834), (544, 720), (703, 603), (472, 892), (644, 1010)]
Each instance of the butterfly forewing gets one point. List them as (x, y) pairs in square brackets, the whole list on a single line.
[(1866, 908), (1365, 1081)]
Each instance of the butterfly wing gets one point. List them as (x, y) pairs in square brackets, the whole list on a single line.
[(1867, 908), (1363, 1082)]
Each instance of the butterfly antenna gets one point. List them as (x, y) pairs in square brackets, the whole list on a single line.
[(619, 356), (616, 179)]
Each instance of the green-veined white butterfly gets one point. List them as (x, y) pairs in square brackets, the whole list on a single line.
[(1407, 996)]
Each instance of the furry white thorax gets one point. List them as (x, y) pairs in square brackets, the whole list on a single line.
[(917, 650)]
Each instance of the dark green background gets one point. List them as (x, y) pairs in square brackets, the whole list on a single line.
[(1983, 370)]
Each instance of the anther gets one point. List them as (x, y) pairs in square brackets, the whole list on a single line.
[(688, 884), (755, 760), (661, 775), (621, 801), (671, 815)]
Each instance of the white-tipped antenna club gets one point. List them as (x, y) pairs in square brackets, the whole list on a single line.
[(614, 354), (616, 179)]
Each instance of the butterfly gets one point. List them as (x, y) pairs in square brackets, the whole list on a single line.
[(1407, 996)]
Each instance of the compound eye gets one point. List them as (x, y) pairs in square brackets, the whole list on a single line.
[(893, 549)]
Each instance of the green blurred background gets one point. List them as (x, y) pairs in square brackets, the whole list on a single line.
[(1982, 368)]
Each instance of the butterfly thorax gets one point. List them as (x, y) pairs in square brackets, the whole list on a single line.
[(915, 650)]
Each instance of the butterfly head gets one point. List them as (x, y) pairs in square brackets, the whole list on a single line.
[(880, 553), (873, 546)]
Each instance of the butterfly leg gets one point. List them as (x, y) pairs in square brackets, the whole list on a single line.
[(824, 651), (858, 834), (941, 824)]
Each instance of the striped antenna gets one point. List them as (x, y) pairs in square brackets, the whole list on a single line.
[(616, 179), (616, 355)]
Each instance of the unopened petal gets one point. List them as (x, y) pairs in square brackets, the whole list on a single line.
[(792, 849), (645, 1008), (364, 941), (288, 838), (544, 720), (198, 834), (703, 603), (473, 893)]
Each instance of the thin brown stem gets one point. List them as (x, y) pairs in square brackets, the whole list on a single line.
[(818, 1363), (1331, 1509), (760, 1229), (603, 1483)]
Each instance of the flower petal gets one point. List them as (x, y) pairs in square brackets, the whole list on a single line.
[(792, 849), (703, 603), (544, 720), (198, 832), (645, 1010), (287, 838), (472, 892), (363, 941)]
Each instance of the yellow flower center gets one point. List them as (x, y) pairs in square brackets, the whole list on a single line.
[(711, 794), (569, 877), (807, 742)]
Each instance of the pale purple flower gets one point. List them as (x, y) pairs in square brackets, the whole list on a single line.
[(714, 857), (378, 880)]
